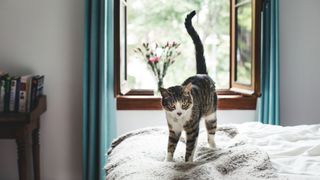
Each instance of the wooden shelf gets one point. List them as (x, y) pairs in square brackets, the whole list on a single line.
[(18, 117), (24, 128)]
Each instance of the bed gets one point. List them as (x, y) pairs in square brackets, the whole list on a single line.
[(244, 151)]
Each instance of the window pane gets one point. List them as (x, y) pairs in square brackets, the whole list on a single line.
[(161, 21), (243, 44)]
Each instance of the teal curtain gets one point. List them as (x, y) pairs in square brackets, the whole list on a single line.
[(98, 98), (268, 104)]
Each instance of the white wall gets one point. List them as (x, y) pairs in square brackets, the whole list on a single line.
[(131, 120), (46, 37), (299, 62)]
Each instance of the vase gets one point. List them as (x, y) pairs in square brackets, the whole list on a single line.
[(159, 85)]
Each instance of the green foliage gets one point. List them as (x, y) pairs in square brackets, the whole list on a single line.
[(244, 43)]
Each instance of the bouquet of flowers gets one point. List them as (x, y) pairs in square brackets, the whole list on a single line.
[(159, 58)]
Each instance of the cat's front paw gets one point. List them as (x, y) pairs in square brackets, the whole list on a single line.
[(169, 158), (212, 145), (211, 141), (190, 160)]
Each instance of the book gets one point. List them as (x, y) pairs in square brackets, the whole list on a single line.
[(2, 91), (14, 94), (1, 96), (16, 105), (28, 90), (40, 86), (7, 88), (36, 89), (25, 82)]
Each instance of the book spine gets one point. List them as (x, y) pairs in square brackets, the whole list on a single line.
[(12, 99), (2, 94), (16, 103), (28, 90), (7, 94), (23, 95), (34, 87), (40, 87)]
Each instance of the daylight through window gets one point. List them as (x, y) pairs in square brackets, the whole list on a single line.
[(230, 33), (163, 21)]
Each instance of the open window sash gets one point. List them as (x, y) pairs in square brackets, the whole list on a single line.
[(120, 40), (245, 47)]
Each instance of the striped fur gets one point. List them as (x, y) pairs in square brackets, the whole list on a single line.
[(186, 104)]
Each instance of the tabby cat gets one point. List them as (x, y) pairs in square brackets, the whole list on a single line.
[(195, 99)]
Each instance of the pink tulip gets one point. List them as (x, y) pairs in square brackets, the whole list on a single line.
[(154, 59)]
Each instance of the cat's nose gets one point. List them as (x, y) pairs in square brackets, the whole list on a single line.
[(179, 113)]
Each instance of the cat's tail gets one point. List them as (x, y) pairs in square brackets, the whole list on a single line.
[(201, 62)]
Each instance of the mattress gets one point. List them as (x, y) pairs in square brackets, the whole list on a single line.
[(269, 152)]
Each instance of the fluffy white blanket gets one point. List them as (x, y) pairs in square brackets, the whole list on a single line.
[(140, 155), (293, 149)]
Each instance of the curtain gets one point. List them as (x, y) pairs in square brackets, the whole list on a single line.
[(268, 104), (98, 96)]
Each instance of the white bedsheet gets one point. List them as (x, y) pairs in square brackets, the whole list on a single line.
[(294, 150)]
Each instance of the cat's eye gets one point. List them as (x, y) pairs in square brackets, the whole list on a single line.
[(172, 106), (186, 96), (185, 105)]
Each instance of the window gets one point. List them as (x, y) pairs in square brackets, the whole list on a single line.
[(245, 46), (230, 34)]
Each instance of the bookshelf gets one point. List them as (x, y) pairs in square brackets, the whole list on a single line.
[(24, 128)]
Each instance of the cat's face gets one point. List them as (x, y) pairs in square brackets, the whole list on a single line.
[(177, 100)]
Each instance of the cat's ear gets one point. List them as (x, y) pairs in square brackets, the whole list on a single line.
[(164, 92), (187, 89)]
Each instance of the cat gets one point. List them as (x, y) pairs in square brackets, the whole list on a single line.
[(186, 104)]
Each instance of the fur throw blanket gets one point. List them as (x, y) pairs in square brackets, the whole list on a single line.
[(140, 155)]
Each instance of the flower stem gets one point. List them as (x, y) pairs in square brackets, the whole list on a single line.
[(160, 83)]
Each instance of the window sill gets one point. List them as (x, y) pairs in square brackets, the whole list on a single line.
[(225, 102)]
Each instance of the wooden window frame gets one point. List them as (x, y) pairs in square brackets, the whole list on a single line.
[(254, 87), (236, 97)]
